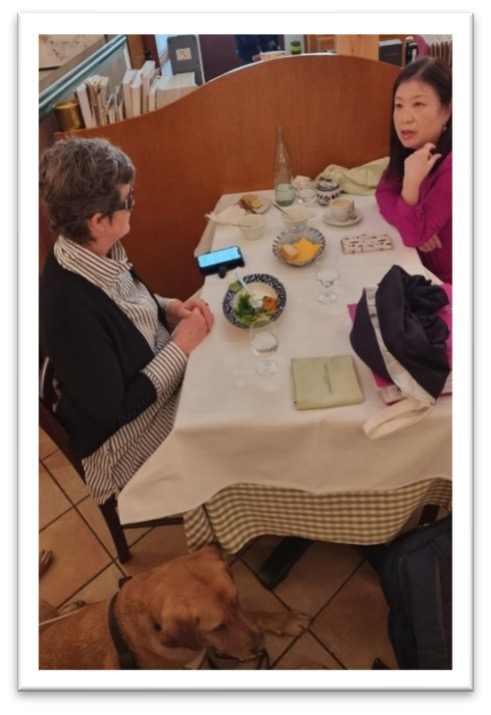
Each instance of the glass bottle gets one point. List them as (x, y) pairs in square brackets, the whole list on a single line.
[(284, 194)]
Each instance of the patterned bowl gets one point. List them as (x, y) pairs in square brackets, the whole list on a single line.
[(295, 234), (260, 284)]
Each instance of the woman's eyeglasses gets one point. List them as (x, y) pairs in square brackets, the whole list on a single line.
[(128, 203)]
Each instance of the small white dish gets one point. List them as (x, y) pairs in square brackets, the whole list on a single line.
[(327, 218), (265, 204)]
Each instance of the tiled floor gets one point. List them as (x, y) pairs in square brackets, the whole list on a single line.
[(331, 582)]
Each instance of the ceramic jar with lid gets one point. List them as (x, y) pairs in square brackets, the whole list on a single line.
[(325, 190)]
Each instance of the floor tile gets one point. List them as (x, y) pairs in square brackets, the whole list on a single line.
[(161, 544), (52, 501), (78, 557), (46, 444), (314, 578), (254, 597), (307, 654), (353, 626), (91, 512), (66, 476), (102, 587)]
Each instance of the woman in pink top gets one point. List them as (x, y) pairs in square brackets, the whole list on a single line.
[(415, 191)]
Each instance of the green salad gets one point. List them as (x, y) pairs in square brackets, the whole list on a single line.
[(244, 311)]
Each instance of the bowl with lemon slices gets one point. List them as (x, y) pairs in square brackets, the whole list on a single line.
[(299, 246)]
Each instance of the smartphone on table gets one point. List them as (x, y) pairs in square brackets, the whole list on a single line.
[(220, 261)]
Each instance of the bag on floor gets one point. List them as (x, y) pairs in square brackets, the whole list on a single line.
[(416, 577)]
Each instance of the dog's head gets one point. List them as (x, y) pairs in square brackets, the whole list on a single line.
[(196, 606)]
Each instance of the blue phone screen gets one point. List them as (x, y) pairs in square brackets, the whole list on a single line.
[(216, 258)]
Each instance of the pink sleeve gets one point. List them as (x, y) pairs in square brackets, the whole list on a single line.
[(420, 222)]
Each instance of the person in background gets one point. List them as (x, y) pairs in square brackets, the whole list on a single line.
[(249, 47), (415, 191), (119, 350)]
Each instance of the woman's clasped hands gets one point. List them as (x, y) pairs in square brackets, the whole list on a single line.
[(196, 321)]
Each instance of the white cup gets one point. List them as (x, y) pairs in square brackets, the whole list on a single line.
[(252, 226), (342, 209)]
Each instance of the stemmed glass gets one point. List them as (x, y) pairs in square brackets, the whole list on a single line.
[(327, 274), (306, 194), (264, 342)]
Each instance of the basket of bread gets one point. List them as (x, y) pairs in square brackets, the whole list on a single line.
[(299, 246)]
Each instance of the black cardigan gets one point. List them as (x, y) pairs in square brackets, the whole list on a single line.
[(98, 355)]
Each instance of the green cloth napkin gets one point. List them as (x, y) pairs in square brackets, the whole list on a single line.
[(325, 382), (359, 180)]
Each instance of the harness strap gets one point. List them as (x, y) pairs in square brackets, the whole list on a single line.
[(127, 660)]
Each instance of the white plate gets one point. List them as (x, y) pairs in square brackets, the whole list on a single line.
[(265, 206), (332, 222)]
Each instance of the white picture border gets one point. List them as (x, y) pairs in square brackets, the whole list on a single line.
[(30, 25)]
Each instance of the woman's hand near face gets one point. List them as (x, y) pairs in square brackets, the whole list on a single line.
[(417, 166)]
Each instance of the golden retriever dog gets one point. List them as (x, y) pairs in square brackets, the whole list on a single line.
[(165, 617)]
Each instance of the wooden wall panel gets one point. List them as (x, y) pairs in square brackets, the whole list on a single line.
[(221, 139)]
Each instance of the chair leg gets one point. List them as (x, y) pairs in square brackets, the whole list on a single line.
[(110, 514), (279, 563)]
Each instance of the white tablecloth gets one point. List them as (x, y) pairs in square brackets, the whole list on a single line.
[(234, 427)]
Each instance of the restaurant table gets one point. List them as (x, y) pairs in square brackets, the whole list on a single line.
[(242, 461)]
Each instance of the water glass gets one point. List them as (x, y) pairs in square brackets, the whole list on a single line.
[(306, 196), (327, 274), (264, 343)]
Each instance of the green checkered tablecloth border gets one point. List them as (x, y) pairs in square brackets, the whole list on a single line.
[(238, 514)]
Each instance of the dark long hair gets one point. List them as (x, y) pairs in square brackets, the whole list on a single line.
[(437, 74)]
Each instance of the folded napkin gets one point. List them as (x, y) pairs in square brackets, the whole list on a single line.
[(230, 215), (361, 180), (325, 382), (301, 182)]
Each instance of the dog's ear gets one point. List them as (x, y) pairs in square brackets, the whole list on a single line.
[(183, 634)]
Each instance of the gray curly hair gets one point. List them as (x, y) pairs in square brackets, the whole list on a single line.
[(79, 178)]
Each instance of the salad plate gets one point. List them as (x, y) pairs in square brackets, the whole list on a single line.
[(266, 289)]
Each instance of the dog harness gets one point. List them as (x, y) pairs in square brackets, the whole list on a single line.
[(127, 660)]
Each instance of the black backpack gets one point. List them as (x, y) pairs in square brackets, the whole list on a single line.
[(416, 576)]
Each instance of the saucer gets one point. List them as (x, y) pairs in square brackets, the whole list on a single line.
[(326, 217)]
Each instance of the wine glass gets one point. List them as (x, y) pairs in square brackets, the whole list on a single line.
[(327, 274), (264, 342)]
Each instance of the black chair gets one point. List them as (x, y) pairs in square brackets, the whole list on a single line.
[(49, 422)]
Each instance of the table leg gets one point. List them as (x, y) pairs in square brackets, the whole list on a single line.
[(278, 564)]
